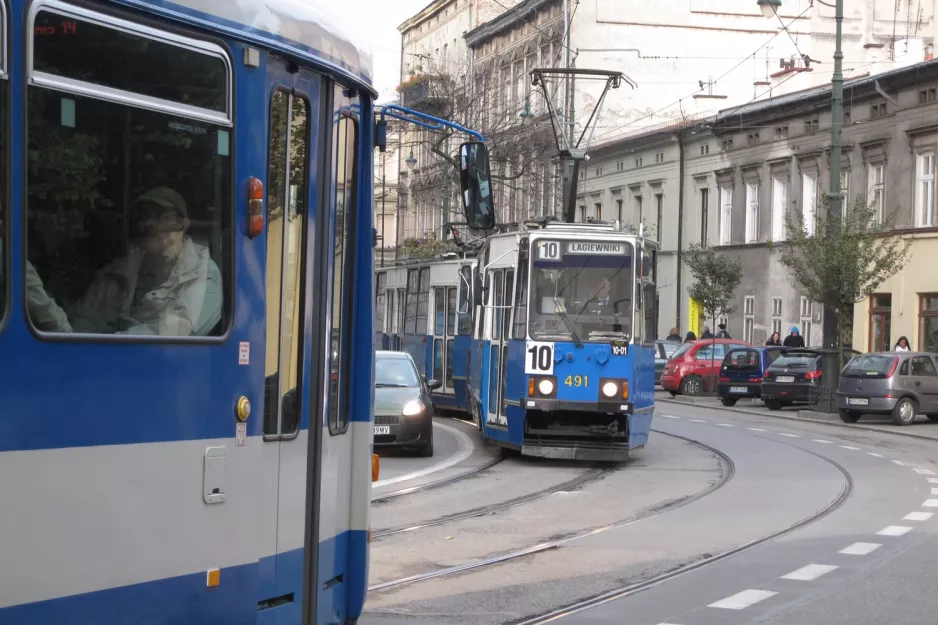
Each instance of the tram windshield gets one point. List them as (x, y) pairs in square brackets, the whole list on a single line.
[(582, 291)]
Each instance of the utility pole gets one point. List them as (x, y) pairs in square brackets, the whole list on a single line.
[(834, 210), (384, 198), (571, 166)]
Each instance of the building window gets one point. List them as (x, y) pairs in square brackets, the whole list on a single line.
[(620, 166), (781, 132), (599, 171), (748, 323), (847, 116), (844, 191), (805, 308), (812, 125), (925, 189), (928, 322), (752, 212), (727, 144), (638, 162), (776, 306), (726, 215), (752, 138), (704, 149), (779, 207), (619, 210), (809, 202), (659, 157), (878, 110), (749, 305), (876, 187), (704, 208), (637, 209), (659, 209), (880, 322), (926, 95), (777, 326), (598, 211)]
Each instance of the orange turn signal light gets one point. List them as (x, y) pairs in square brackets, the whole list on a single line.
[(625, 389), (255, 207), (530, 387), (375, 467)]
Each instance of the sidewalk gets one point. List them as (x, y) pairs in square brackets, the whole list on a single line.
[(756, 407)]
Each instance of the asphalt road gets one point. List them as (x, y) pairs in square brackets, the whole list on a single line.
[(797, 524)]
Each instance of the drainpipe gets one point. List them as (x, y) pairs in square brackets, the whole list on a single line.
[(680, 225), (882, 92)]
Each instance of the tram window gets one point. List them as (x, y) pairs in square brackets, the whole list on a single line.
[(380, 298), (423, 301), (439, 305), (410, 317), (520, 324), (649, 303), (76, 49), (438, 359), (345, 181), (465, 301), (286, 211), (450, 311), (449, 363), (509, 299), (128, 208), (499, 302)]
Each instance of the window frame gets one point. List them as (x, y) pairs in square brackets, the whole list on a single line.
[(171, 34), (924, 213), (752, 212), (726, 215), (876, 188), (779, 207), (704, 203), (923, 315)]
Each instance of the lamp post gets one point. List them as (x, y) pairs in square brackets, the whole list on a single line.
[(411, 162), (834, 199)]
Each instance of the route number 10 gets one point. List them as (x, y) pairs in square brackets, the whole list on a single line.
[(548, 250), (539, 358)]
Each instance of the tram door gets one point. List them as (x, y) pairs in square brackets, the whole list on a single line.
[(444, 331), (501, 296)]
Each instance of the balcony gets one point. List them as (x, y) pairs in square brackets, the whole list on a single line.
[(425, 93)]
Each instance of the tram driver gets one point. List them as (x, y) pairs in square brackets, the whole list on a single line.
[(167, 285)]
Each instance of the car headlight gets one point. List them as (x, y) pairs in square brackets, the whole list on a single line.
[(413, 408), (610, 389), (546, 387)]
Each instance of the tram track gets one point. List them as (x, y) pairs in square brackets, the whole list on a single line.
[(577, 482), (554, 543), (439, 483), (631, 589)]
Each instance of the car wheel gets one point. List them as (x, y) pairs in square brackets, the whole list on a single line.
[(427, 450), (772, 404), (728, 401), (904, 411), (691, 385), (849, 416)]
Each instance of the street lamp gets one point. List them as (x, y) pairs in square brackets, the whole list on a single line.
[(769, 7), (411, 161), (526, 115), (834, 200)]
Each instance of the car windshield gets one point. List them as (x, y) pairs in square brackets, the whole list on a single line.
[(682, 349), (394, 372), (742, 359), (870, 366), (582, 290), (795, 361)]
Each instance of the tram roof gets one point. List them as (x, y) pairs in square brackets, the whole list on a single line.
[(299, 28)]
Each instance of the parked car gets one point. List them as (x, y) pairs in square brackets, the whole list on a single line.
[(403, 412), (900, 384), (742, 371), (663, 351), (795, 377), (693, 368)]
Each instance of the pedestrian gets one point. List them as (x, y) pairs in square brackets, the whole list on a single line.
[(690, 337), (723, 334), (775, 339), (902, 345), (794, 339), (675, 335), (707, 334)]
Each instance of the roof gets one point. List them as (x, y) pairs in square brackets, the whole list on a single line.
[(306, 28), (423, 14), (821, 94), (505, 20)]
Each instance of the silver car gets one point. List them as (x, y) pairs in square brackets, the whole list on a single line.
[(901, 384)]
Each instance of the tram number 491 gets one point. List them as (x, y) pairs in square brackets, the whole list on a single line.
[(539, 358)]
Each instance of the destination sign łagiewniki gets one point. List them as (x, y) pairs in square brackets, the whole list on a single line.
[(595, 247)]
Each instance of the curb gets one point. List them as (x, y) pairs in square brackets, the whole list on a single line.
[(846, 426)]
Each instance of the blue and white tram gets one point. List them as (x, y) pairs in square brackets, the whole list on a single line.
[(425, 309), (563, 361), (186, 220)]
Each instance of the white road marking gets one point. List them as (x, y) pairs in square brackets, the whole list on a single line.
[(930, 503), (669, 416), (810, 572), (789, 435), (822, 441), (933, 480), (918, 516), (726, 425), (757, 429), (464, 451), (899, 462), (923, 471), (934, 491), (860, 549), (697, 420), (850, 448), (874, 454), (894, 530), (743, 599)]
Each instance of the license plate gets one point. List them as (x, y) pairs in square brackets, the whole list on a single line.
[(785, 378), (382, 429), (858, 401), (738, 389)]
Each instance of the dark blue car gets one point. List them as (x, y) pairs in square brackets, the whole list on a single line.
[(742, 371)]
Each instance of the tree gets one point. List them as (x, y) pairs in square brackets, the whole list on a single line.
[(716, 278), (842, 265)]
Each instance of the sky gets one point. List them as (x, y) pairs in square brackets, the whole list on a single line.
[(379, 26)]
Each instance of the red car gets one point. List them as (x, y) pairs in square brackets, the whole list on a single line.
[(695, 366)]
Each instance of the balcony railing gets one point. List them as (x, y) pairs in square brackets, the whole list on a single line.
[(424, 93)]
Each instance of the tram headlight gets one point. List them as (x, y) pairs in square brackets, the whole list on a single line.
[(545, 387), (413, 408), (610, 389)]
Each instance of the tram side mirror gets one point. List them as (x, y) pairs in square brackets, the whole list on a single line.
[(475, 178)]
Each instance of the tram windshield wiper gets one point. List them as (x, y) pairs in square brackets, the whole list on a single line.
[(383, 385), (560, 310)]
